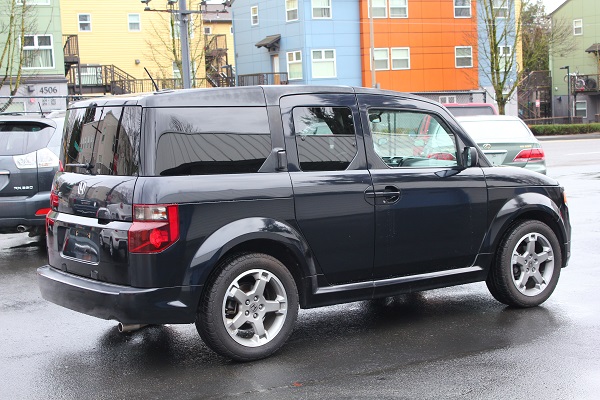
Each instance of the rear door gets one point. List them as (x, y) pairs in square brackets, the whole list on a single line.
[(87, 233), (330, 181)]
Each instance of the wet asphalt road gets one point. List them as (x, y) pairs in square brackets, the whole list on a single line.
[(448, 343)]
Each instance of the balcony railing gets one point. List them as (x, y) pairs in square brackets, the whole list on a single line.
[(265, 78), (585, 83)]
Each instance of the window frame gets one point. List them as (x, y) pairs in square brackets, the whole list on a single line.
[(392, 58), (460, 7), (578, 25), (405, 6), (37, 47), (323, 60), (329, 7), (254, 20), (288, 10), (456, 57), (373, 60), (445, 99), (294, 62), (584, 109), (496, 9), (384, 8), (35, 2), (139, 22), (79, 22), (207, 30)]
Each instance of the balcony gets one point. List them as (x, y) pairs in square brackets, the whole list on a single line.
[(587, 84), (265, 78)]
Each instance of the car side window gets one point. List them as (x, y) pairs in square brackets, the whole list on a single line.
[(410, 139), (325, 138)]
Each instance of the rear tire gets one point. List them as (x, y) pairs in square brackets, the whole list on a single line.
[(248, 310), (527, 265)]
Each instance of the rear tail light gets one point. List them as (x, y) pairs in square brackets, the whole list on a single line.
[(42, 211), (155, 227), (530, 155), (54, 200), (41, 159)]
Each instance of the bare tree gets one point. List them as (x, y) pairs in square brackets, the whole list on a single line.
[(164, 47), (12, 57)]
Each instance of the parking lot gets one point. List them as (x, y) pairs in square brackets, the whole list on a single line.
[(448, 343)]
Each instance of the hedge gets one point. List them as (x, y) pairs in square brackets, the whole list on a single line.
[(546, 130)]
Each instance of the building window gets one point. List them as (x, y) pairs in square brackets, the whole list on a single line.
[(291, 10), (85, 22), (577, 27), (231, 29), (321, 9), (381, 58), (176, 71), (254, 15), (398, 8), (35, 2), (323, 64), (401, 58), (38, 52), (462, 8), (500, 8), (463, 56), (504, 57), (294, 65), (581, 108), (208, 30), (378, 8), (447, 99), (133, 21)]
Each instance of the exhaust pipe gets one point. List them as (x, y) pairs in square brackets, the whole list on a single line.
[(124, 328), (22, 228)]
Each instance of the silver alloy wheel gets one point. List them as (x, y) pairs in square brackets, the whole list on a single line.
[(254, 307), (532, 264)]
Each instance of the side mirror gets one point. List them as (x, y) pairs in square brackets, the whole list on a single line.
[(470, 157)]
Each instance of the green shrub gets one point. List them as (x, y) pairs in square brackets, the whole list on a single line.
[(547, 130)]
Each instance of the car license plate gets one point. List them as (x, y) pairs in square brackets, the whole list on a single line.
[(496, 158)]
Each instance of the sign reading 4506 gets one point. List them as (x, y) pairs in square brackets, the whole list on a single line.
[(48, 90)]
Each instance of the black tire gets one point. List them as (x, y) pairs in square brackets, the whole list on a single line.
[(527, 265), (272, 310)]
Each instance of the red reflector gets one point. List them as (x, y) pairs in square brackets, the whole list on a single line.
[(43, 211), (530, 155), (54, 200), (154, 228), (61, 168)]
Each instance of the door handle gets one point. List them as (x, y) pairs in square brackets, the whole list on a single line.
[(389, 194)]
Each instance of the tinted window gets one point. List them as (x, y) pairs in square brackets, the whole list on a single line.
[(325, 138), (23, 137), (409, 139), (106, 137), (212, 140), (471, 110)]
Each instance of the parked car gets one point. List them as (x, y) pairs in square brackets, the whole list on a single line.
[(241, 207), (506, 140), (29, 147), (470, 109)]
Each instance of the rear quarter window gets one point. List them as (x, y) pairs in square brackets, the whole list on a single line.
[(211, 140), (22, 137)]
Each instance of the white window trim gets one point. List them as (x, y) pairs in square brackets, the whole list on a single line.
[(291, 9), (385, 9), (254, 13), (323, 60), (37, 47), (577, 24), (388, 59), (79, 22), (447, 99), (392, 58), (463, 7), (312, 10), (456, 56), (139, 22), (287, 60), (575, 108), (390, 9)]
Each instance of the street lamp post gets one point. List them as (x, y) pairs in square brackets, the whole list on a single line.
[(568, 92)]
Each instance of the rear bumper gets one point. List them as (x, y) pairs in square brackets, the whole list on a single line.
[(173, 305), (15, 211)]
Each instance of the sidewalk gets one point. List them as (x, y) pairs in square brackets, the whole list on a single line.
[(569, 137)]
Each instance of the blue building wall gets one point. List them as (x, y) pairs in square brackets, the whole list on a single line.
[(340, 33)]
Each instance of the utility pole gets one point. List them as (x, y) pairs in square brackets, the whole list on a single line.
[(184, 20)]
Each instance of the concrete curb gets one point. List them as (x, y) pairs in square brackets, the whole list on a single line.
[(569, 137)]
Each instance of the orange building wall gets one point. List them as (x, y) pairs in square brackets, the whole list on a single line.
[(431, 32)]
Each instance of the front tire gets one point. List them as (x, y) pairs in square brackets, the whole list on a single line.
[(527, 265), (249, 309)]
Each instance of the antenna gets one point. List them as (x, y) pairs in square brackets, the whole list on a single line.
[(154, 83)]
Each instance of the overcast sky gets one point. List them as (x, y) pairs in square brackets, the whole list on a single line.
[(551, 5)]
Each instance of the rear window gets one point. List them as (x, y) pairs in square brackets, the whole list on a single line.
[(469, 111), (211, 140), (24, 137), (495, 130), (106, 137)]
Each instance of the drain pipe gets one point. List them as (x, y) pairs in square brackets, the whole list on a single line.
[(124, 328)]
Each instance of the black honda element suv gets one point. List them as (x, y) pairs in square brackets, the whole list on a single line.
[(233, 207)]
